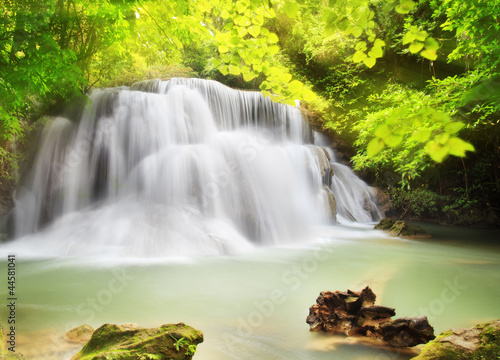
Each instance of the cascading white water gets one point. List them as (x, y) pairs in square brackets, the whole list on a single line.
[(177, 167)]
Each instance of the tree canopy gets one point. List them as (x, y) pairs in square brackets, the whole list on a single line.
[(409, 82)]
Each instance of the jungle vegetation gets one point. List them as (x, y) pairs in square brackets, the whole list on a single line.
[(409, 89)]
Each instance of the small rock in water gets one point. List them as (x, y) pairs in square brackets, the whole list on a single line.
[(401, 228), (115, 342), (355, 314)]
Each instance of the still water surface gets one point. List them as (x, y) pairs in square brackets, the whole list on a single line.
[(254, 306)]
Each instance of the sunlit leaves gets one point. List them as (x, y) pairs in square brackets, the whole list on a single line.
[(291, 8), (426, 128), (248, 49), (420, 42), (368, 57), (374, 147), (405, 6)]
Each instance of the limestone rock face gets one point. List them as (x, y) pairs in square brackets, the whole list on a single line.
[(479, 342), (114, 342)]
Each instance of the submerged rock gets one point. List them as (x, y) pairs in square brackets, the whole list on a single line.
[(355, 314), (401, 228), (114, 342), (80, 334), (479, 342)]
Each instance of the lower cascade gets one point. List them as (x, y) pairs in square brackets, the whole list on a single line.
[(181, 167)]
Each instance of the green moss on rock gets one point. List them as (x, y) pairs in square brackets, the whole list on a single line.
[(481, 342), (401, 228), (384, 224), (114, 342)]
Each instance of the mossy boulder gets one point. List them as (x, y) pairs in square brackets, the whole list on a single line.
[(481, 342), (401, 228), (385, 224), (114, 342)]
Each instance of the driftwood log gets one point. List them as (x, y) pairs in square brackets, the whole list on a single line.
[(355, 314)]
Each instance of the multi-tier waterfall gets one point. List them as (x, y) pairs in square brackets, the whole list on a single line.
[(181, 167)]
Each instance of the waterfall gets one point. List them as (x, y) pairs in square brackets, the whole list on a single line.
[(179, 167)]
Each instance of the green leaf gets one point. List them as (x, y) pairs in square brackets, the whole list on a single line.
[(272, 38), (235, 40), (374, 147), (429, 54), (421, 135), (379, 43), (421, 35), (358, 56), (343, 24), (405, 6), (308, 94), (248, 76), (442, 138), (369, 61), (458, 147), (408, 37), (332, 3), (416, 46), (223, 49), (241, 7), (360, 45), (234, 70), (295, 86), (274, 49), (285, 77), (357, 31), (225, 14), (216, 62), (224, 70), (242, 32), (254, 31), (393, 140), (454, 127), (436, 151), (382, 131), (291, 8), (431, 44), (376, 52), (258, 20)]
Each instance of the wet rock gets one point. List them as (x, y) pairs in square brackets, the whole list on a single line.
[(80, 334), (114, 342), (401, 228), (323, 162), (355, 314), (479, 342), (382, 200), (331, 204)]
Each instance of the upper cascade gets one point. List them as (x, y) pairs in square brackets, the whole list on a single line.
[(174, 168)]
